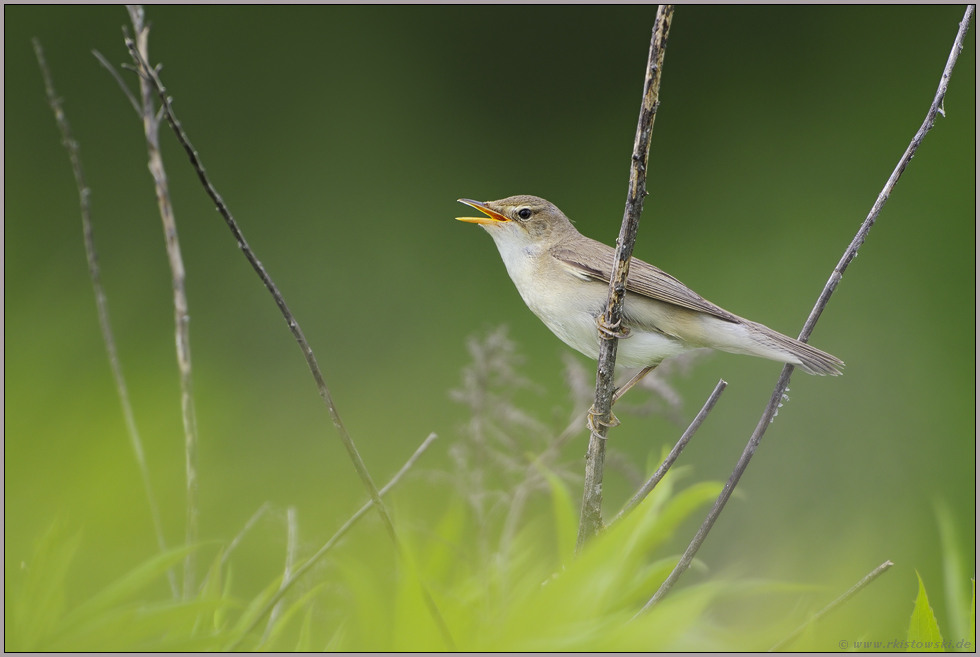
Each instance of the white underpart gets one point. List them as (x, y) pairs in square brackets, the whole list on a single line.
[(572, 317)]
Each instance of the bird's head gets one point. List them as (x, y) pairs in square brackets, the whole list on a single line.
[(524, 219)]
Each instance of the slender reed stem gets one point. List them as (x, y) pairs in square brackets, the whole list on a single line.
[(101, 302), (850, 593), (591, 520), (292, 538), (651, 483), (243, 531), (151, 127), (811, 321)]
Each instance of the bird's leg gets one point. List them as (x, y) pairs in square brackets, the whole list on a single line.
[(622, 390), (592, 421)]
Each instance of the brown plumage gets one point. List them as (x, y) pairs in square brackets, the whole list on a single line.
[(563, 277)]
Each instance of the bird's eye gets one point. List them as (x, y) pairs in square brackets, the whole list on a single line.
[(524, 213)]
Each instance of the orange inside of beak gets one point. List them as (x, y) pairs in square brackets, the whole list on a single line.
[(491, 218)]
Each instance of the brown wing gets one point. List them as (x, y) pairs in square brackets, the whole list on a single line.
[(596, 261)]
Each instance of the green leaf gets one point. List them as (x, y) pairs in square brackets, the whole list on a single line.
[(924, 633), (254, 608)]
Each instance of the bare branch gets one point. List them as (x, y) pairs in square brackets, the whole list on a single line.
[(851, 592), (178, 276), (674, 453), (609, 323), (101, 302), (302, 570), (811, 321)]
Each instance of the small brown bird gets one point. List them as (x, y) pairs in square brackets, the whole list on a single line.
[(563, 277)]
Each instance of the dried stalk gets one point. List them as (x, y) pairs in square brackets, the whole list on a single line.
[(591, 519), (302, 570), (151, 125), (828, 290), (102, 302)]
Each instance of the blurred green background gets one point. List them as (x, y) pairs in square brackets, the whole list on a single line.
[(341, 138)]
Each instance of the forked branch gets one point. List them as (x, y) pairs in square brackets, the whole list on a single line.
[(828, 290)]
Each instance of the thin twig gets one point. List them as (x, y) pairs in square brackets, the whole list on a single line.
[(101, 302), (811, 321), (122, 83), (181, 318), (851, 592), (591, 519), (674, 453), (292, 538), (339, 534)]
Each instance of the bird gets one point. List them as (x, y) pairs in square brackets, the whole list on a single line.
[(563, 277)]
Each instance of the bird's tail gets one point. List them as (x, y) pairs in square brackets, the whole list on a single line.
[(745, 337), (782, 348)]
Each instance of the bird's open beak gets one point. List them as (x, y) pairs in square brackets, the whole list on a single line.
[(491, 218)]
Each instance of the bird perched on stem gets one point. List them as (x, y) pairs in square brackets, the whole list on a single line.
[(563, 278)]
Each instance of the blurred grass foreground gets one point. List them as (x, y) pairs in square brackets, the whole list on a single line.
[(341, 137)]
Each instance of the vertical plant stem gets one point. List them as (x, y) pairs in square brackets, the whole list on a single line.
[(151, 127), (828, 290), (101, 302), (609, 323)]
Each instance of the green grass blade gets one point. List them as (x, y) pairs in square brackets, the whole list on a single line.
[(954, 579), (564, 513), (303, 602), (41, 600), (126, 586)]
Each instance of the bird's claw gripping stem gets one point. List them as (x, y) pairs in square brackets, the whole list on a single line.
[(612, 331), (593, 421)]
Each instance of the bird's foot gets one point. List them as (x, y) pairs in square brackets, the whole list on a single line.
[(593, 421), (611, 331)]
